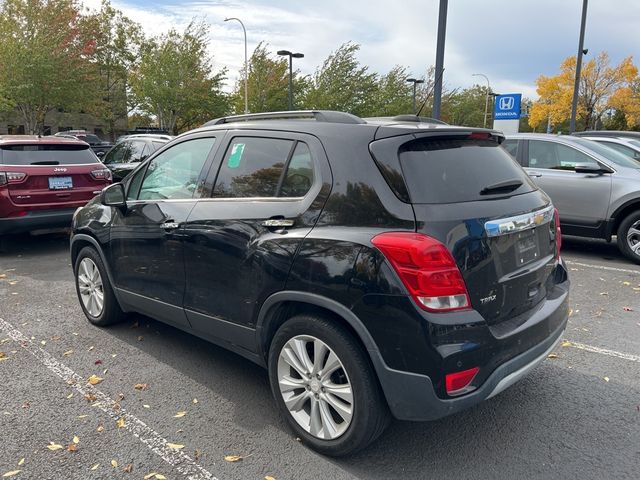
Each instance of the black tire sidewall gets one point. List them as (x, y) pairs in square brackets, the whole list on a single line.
[(622, 237), (369, 409)]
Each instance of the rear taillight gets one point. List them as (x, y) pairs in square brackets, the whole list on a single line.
[(101, 174), (427, 269), (11, 177), (556, 219), (458, 383)]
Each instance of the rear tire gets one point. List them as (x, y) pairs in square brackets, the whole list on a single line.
[(336, 405), (629, 237), (94, 290)]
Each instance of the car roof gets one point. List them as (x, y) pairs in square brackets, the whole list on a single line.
[(607, 133), (39, 140), (148, 136)]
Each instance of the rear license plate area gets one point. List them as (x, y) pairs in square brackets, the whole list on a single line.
[(60, 183), (527, 247)]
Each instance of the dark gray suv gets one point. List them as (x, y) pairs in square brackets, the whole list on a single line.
[(595, 188)]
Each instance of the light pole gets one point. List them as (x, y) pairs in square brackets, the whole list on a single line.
[(576, 86), (246, 65), (287, 53), (486, 99), (414, 81), (442, 32)]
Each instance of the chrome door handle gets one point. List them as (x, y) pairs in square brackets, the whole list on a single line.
[(170, 225), (534, 174), (277, 223)]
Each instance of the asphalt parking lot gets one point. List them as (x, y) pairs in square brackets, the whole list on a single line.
[(576, 416)]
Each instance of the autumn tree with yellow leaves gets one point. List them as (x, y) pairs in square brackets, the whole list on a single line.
[(602, 87)]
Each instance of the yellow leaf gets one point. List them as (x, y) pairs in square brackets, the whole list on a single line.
[(54, 446), (43, 343), (21, 462), (94, 380), (146, 406), (114, 463), (90, 397), (70, 395), (140, 386), (90, 348), (95, 467), (150, 475), (566, 343), (626, 283), (12, 473), (76, 439), (195, 400), (175, 446), (552, 355), (269, 477), (100, 428), (233, 458), (72, 447), (606, 379), (179, 414), (120, 422), (159, 476), (83, 416)]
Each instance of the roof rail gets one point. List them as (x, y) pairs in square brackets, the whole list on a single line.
[(328, 116), (417, 119)]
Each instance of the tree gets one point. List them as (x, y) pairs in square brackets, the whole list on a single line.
[(175, 80), (268, 83), (341, 83), (598, 83), (392, 95), (626, 101), (465, 107), (44, 54), (117, 42)]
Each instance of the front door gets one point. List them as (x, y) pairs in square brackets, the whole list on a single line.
[(240, 243), (146, 241), (582, 199)]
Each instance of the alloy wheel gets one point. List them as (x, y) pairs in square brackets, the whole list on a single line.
[(633, 237), (90, 287)]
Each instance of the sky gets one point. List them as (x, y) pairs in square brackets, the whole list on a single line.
[(512, 42)]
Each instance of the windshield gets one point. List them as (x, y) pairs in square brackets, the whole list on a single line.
[(635, 143), (31, 154), (608, 153)]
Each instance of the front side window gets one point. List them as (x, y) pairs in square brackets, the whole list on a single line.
[(138, 151), (118, 154), (174, 173), (264, 167), (552, 155)]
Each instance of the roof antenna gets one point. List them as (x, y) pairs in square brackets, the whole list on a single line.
[(433, 87)]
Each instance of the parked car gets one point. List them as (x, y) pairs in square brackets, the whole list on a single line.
[(411, 269), (595, 188), (626, 146), (608, 133), (99, 146), (127, 154), (43, 180)]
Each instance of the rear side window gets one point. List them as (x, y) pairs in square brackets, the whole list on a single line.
[(52, 154), (264, 167), (557, 156), (458, 170), (511, 146)]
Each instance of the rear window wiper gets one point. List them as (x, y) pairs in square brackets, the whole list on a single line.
[(502, 187), (46, 162)]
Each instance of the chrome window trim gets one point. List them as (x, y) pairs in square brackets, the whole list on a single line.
[(518, 223)]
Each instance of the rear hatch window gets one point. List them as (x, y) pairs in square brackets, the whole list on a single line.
[(460, 170), (43, 154)]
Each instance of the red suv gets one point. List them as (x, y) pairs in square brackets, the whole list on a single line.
[(44, 179)]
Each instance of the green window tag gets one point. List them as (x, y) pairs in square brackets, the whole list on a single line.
[(236, 155)]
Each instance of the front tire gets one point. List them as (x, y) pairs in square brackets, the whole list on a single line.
[(94, 290), (629, 237), (325, 386)]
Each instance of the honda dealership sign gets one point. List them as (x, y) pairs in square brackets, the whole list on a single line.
[(506, 112)]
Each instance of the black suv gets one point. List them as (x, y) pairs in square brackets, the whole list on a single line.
[(398, 267), (128, 153)]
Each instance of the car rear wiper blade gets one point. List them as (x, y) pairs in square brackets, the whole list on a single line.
[(502, 187), (46, 162)]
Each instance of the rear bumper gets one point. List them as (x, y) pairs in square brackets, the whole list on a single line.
[(412, 396), (37, 219)]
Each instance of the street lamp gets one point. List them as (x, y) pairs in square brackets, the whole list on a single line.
[(246, 65), (415, 81), (486, 98), (287, 53)]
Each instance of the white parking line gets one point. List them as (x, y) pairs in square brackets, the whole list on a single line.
[(149, 437), (604, 351), (602, 267)]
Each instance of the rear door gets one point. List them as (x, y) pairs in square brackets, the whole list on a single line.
[(239, 244), (54, 175), (551, 165), (472, 196)]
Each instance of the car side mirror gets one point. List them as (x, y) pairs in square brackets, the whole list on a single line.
[(100, 154), (589, 168), (113, 196)]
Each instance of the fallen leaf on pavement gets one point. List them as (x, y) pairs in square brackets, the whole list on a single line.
[(141, 386), (179, 414), (626, 283), (70, 395), (21, 462), (94, 380), (552, 355), (90, 397), (89, 349), (95, 467), (54, 446), (175, 446), (114, 463), (100, 428), (98, 362), (157, 476), (120, 422), (72, 447), (67, 353), (197, 454), (76, 439), (140, 338), (12, 473), (43, 342), (269, 477), (195, 400), (628, 309), (128, 468), (566, 343), (233, 458), (146, 406), (83, 416), (606, 379)]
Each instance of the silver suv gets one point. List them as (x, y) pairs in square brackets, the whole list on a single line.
[(595, 188)]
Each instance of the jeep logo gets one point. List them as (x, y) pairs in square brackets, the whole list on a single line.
[(59, 169)]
